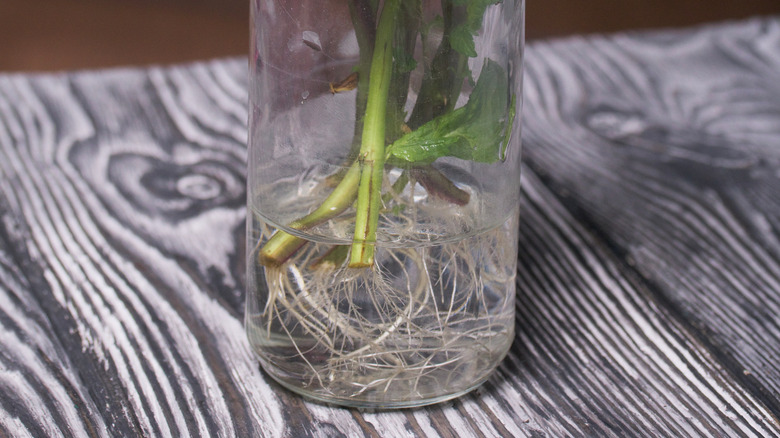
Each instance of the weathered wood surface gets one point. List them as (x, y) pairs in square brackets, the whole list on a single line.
[(649, 275)]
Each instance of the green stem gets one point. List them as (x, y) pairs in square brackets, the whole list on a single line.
[(363, 14), (443, 80), (372, 155), (282, 245), (405, 39)]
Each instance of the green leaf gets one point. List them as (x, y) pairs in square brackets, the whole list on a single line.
[(462, 35), (403, 61), (476, 131), (462, 41)]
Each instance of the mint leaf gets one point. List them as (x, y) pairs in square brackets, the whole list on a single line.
[(462, 41), (462, 35), (476, 131), (403, 61)]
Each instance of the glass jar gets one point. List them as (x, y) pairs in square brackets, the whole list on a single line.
[(383, 189)]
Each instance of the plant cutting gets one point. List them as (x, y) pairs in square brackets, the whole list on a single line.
[(383, 275)]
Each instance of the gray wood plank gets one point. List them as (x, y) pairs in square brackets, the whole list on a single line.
[(670, 145), (121, 257)]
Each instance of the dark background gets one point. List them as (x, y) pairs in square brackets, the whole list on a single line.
[(77, 34)]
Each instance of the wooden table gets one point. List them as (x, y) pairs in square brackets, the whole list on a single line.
[(649, 274)]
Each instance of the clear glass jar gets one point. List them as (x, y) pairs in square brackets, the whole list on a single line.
[(383, 189)]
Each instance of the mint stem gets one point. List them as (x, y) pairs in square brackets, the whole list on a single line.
[(363, 14), (372, 150), (443, 79), (282, 245)]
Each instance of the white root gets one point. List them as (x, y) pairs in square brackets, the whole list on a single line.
[(421, 309)]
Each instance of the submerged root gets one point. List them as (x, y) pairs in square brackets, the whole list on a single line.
[(425, 313)]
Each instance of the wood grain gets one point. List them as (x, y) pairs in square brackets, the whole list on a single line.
[(648, 279), (680, 166)]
